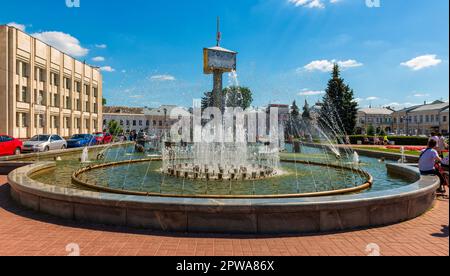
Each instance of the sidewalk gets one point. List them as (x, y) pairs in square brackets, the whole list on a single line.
[(24, 232)]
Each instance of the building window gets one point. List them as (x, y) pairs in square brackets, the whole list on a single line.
[(39, 121), (160, 123), (66, 122), (54, 79), (147, 123), (78, 86), (444, 119), (121, 122), (54, 122), (154, 123), (22, 69), (134, 122), (86, 123), (87, 90), (21, 119), (77, 103), (55, 100), (140, 122), (432, 118), (95, 92), (67, 83), (427, 118), (128, 122), (67, 102), (23, 95)]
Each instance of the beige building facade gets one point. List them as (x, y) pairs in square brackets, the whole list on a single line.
[(45, 91), (422, 120), (379, 118)]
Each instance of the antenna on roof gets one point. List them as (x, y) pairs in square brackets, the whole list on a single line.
[(219, 34)]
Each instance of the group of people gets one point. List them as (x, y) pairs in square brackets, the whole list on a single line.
[(432, 160)]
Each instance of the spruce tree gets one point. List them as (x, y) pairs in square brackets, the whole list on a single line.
[(306, 111), (295, 111), (339, 106)]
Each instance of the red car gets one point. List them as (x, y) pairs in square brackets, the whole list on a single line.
[(103, 138), (10, 145)]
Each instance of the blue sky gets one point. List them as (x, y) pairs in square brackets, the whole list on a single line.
[(151, 51)]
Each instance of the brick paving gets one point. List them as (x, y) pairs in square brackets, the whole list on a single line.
[(23, 232)]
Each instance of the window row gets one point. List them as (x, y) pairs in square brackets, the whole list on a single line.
[(23, 70), (22, 121)]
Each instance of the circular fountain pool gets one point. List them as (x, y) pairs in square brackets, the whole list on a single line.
[(175, 206), (314, 171)]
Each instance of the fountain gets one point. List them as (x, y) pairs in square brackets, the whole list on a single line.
[(403, 156), (232, 172), (356, 159), (85, 156)]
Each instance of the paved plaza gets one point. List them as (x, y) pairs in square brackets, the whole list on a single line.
[(24, 232)]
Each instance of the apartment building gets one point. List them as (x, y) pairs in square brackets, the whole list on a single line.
[(379, 118), (130, 119), (422, 119), (151, 120), (43, 90)]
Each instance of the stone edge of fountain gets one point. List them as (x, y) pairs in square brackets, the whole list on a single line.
[(235, 216)]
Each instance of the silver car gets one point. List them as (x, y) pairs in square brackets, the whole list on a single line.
[(40, 143)]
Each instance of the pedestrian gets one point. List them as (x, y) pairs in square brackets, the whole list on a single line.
[(427, 163), (441, 146)]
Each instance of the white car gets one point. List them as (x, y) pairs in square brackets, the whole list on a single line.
[(41, 143)]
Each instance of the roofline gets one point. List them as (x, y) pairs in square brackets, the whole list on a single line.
[(84, 62)]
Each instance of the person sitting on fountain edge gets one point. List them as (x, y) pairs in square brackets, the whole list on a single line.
[(428, 160)]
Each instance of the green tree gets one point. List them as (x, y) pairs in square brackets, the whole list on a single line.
[(207, 100), (306, 115), (370, 130), (339, 106), (114, 128), (104, 101), (238, 96), (295, 111)]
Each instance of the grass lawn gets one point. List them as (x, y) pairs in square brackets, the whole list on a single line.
[(407, 152)]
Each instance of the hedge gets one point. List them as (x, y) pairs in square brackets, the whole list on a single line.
[(399, 140)]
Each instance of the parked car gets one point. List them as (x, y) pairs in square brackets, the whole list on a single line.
[(10, 145), (81, 140), (44, 142), (103, 138)]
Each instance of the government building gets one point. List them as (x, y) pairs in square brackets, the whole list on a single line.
[(45, 91)]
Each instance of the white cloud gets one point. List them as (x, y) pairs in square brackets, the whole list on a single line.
[(17, 26), (398, 106), (422, 62), (311, 93), (421, 95), (101, 46), (107, 69), (63, 42), (98, 59), (317, 4), (327, 65), (372, 98), (308, 3), (162, 78)]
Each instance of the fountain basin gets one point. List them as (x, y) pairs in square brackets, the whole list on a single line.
[(78, 180), (215, 215)]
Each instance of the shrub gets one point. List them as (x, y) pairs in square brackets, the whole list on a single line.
[(399, 140)]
